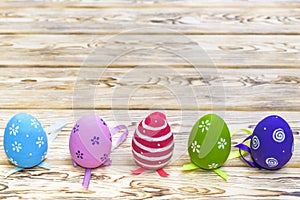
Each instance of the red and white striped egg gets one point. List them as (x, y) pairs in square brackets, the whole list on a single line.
[(153, 142)]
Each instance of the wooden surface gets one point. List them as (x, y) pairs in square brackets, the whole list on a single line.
[(249, 68)]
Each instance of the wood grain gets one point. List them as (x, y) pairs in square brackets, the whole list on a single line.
[(226, 51), (43, 183), (195, 184), (203, 88), (239, 59), (148, 3), (114, 20)]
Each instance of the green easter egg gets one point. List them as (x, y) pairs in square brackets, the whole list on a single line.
[(209, 142)]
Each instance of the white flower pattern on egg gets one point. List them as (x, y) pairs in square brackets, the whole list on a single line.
[(34, 123), (40, 141), (209, 133), (213, 166), (13, 130), (16, 146), (222, 143), (204, 125), (195, 147), (25, 140)]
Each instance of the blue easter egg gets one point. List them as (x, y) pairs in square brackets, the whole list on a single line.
[(272, 143), (25, 141)]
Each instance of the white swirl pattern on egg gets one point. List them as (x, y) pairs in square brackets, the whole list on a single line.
[(279, 135), (272, 162), (255, 142)]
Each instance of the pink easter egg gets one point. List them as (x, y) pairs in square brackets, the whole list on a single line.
[(153, 142), (90, 142)]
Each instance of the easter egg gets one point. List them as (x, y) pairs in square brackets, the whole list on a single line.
[(90, 142), (272, 143), (153, 142), (209, 142), (25, 141)]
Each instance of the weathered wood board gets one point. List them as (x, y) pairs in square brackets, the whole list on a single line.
[(137, 88), (113, 20), (225, 51), (122, 59)]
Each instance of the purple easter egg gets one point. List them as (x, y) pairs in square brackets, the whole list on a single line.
[(90, 142), (272, 143)]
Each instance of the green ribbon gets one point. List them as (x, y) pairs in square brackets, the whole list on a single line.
[(189, 167), (236, 154), (240, 130), (192, 166), (221, 173), (232, 155)]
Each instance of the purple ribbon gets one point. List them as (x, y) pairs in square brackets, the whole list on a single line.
[(87, 178), (122, 138), (244, 147)]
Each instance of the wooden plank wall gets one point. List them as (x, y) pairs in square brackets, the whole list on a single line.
[(248, 69)]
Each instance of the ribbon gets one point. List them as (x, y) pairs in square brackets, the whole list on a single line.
[(120, 140), (87, 178), (14, 170), (245, 148), (138, 171), (239, 130), (74, 163), (162, 173), (107, 163), (17, 169), (221, 173), (44, 165), (55, 129), (235, 154), (192, 166), (189, 167), (122, 137), (238, 153), (232, 155)]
